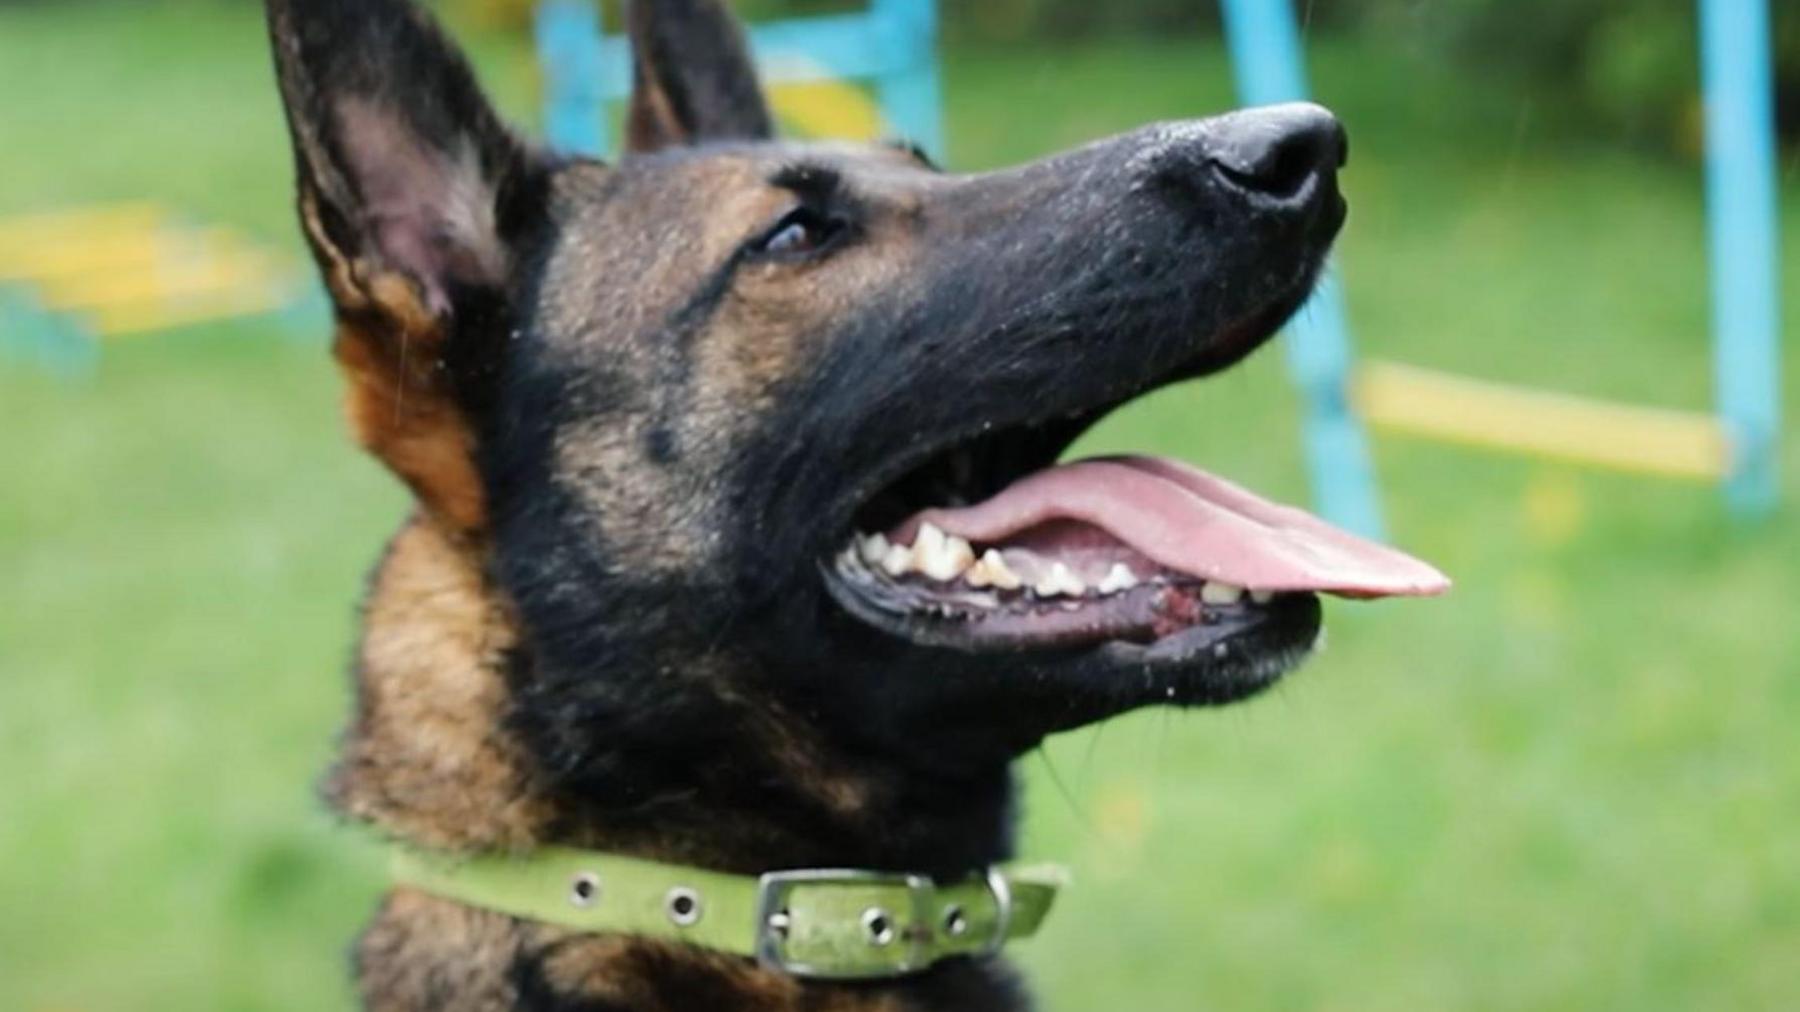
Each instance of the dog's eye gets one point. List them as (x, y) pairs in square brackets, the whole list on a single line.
[(801, 232)]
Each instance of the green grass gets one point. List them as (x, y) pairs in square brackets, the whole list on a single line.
[(1572, 784)]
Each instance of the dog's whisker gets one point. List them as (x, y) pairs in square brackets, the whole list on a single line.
[(1083, 820)]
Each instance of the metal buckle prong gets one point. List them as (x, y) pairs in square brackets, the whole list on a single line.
[(1003, 910)]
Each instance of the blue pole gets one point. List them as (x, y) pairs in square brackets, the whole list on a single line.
[(1267, 62), (1741, 232), (912, 95), (568, 42), (894, 42)]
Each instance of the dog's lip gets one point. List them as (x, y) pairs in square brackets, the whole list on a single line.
[(1159, 620), (1297, 614)]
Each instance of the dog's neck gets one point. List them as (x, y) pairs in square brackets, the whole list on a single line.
[(432, 758), (431, 762)]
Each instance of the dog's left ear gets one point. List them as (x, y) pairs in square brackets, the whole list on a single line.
[(414, 197), (693, 78)]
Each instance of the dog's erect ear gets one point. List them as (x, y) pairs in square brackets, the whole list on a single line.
[(403, 166), (413, 196), (693, 79)]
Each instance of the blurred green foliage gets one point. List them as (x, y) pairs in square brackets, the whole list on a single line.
[(1569, 785), (1627, 67), (1630, 67)]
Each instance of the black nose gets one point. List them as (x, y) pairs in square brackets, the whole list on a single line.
[(1277, 154)]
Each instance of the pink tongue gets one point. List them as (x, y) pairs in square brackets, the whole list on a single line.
[(1195, 523)]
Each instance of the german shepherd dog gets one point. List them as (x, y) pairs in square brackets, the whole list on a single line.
[(739, 538)]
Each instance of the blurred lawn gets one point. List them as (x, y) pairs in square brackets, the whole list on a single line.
[(1573, 784)]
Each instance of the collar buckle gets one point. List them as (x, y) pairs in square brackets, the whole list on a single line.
[(886, 949), (1003, 910)]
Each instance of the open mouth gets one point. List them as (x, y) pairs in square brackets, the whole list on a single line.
[(989, 546), (1153, 558)]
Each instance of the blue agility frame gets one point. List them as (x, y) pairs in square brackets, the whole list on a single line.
[(1266, 59), (893, 44), (1738, 80)]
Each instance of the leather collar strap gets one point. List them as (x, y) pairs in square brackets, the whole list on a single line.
[(836, 924)]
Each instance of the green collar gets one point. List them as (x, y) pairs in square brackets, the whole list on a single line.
[(821, 923)]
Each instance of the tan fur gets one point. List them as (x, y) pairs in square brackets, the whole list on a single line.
[(651, 123), (427, 759), (849, 793), (421, 952), (764, 333), (388, 346), (400, 411), (612, 969)]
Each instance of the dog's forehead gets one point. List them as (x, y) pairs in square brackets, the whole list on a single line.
[(633, 242), (650, 198), (627, 243), (658, 214)]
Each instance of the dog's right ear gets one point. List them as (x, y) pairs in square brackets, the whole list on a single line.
[(692, 77), (403, 166), (414, 198)]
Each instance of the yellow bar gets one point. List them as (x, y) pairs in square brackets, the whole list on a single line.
[(23, 232), (62, 261), (828, 108), (130, 319), (1423, 402), (97, 292)]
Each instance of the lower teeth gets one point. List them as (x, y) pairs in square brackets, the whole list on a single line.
[(948, 560)]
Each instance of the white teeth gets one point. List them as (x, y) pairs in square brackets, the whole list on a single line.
[(945, 557), (1119, 577), (928, 542), (1060, 581), (897, 560), (1000, 572), (873, 548), (977, 575), (942, 558), (991, 571), (962, 552), (1221, 593)]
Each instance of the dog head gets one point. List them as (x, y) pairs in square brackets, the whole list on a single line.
[(736, 419)]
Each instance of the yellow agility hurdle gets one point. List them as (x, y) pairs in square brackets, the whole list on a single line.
[(1495, 416), (1736, 444), (817, 105), (20, 235), (75, 276)]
